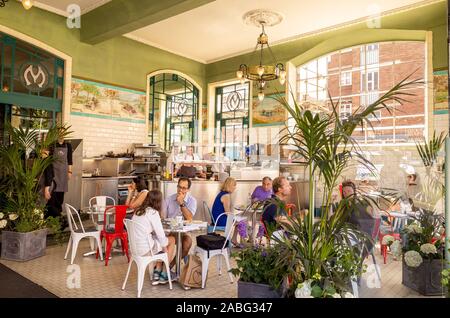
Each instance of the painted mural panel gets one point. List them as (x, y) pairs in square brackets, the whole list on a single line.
[(268, 112), (440, 79), (101, 99), (204, 117)]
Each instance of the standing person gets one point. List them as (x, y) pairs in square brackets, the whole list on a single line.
[(222, 204), (187, 169), (361, 214), (137, 193), (62, 172), (182, 204), (263, 191), (46, 183), (150, 236), (275, 209)]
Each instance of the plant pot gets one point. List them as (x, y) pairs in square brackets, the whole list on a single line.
[(254, 290), (425, 279), (23, 246)]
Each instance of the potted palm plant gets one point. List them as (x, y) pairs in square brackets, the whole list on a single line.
[(22, 221), (325, 142)]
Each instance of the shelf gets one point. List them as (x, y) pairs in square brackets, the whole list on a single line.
[(145, 163)]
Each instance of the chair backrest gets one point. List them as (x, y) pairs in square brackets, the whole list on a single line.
[(101, 200), (206, 207), (74, 222), (119, 215), (231, 221), (131, 227)]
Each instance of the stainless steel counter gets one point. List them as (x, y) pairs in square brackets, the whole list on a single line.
[(207, 191)]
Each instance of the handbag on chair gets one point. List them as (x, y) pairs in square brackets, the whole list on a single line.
[(211, 241)]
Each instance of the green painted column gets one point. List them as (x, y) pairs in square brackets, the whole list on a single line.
[(447, 201)]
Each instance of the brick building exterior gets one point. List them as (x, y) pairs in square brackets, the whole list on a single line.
[(359, 75)]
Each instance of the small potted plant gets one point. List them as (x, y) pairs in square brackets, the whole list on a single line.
[(22, 222), (258, 273)]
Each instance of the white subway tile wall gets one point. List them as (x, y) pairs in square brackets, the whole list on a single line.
[(103, 135)]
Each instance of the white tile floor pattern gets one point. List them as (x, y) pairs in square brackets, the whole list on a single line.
[(99, 281)]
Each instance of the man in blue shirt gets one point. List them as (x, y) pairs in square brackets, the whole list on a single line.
[(182, 204)]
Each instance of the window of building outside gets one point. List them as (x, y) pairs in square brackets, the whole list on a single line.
[(346, 78), (232, 119), (358, 76)]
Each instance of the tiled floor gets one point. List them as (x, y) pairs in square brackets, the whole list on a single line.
[(56, 275)]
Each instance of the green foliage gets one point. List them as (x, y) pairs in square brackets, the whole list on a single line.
[(427, 228), (259, 265), (22, 167), (325, 143), (428, 151)]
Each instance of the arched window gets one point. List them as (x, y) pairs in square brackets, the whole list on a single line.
[(179, 100), (358, 76), (232, 113)]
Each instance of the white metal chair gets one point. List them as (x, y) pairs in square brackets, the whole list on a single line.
[(78, 232), (206, 256), (101, 203), (142, 261)]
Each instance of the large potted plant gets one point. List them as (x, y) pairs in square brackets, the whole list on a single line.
[(259, 277), (324, 141), (423, 240), (423, 254), (22, 222)]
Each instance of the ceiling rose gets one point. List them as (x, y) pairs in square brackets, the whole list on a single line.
[(262, 16)]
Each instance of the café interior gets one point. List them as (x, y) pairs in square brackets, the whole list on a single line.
[(209, 90)]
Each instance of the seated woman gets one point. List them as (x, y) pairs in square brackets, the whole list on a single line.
[(137, 192), (222, 204), (151, 237)]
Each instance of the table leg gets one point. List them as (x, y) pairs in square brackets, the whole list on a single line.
[(178, 254), (254, 233)]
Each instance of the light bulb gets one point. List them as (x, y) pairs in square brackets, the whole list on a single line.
[(260, 96), (242, 81), (283, 74), (27, 4), (260, 70), (239, 74), (282, 80)]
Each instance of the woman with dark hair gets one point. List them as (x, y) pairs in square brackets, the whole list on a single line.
[(137, 192), (150, 236)]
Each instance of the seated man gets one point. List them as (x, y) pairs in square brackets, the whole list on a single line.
[(182, 203), (275, 208), (263, 191)]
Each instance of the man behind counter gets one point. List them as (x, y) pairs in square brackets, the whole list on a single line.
[(186, 169)]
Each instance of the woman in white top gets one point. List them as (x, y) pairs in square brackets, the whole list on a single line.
[(137, 192), (150, 236)]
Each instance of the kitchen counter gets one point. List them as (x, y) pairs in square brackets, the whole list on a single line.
[(108, 177)]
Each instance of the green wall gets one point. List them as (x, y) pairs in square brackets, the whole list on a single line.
[(119, 61), (393, 27)]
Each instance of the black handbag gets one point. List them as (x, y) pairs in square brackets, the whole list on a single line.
[(211, 241)]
